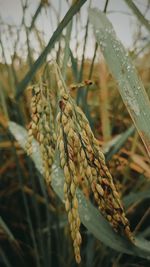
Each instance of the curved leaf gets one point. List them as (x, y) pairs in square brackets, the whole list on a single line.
[(129, 85)]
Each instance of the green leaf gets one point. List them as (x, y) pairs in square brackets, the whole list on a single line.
[(66, 50), (56, 35), (138, 14), (6, 230), (74, 66), (135, 197), (114, 145), (90, 216), (38, 10), (129, 85)]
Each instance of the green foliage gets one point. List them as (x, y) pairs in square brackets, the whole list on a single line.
[(129, 85)]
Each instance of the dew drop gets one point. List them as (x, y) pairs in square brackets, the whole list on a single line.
[(87, 217)]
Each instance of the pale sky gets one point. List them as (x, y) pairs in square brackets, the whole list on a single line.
[(118, 12)]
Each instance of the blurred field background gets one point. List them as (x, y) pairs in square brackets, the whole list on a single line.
[(33, 224)]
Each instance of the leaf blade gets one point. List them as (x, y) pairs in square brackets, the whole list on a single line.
[(129, 85), (138, 14)]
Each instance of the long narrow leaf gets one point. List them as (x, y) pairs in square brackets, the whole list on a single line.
[(66, 50), (56, 35), (7, 230), (138, 14), (113, 146), (130, 86), (136, 197)]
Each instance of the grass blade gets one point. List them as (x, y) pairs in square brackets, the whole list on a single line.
[(38, 10), (81, 93), (74, 66), (136, 197), (66, 50), (6, 230), (138, 14), (130, 86), (90, 216), (113, 146), (56, 35)]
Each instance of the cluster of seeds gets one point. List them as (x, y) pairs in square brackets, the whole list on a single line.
[(41, 127), (68, 153), (82, 159)]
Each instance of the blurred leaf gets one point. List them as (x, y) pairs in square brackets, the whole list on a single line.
[(141, 164), (81, 94), (38, 10), (130, 86), (3, 101), (66, 50), (90, 216), (135, 197), (6, 230), (114, 145), (74, 66), (56, 35), (138, 14)]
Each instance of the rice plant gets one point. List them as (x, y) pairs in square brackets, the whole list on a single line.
[(74, 141)]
